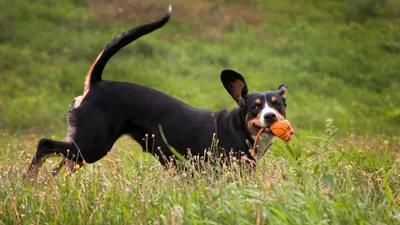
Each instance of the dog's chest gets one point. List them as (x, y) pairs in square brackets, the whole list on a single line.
[(264, 143)]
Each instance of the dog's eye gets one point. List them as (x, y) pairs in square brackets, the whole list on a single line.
[(256, 106)]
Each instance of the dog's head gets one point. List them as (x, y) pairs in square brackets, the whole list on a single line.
[(260, 109)]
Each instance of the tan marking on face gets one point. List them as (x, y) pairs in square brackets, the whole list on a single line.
[(236, 89), (273, 99), (252, 122), (258, 101)]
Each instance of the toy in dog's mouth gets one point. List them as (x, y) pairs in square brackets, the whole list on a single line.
[(266, 131), (281, 128)]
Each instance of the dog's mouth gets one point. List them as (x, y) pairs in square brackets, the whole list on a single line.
[(267, 131)]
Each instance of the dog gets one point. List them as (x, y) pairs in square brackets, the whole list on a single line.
[(109, 109)]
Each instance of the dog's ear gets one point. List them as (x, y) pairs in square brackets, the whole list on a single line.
[(282, 90), (235, 84)]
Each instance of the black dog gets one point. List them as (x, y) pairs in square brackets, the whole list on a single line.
[(109, 109)]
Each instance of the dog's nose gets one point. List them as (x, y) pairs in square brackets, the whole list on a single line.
[(270, 117)]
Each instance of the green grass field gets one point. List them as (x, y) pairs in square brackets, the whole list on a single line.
[(340, 59)]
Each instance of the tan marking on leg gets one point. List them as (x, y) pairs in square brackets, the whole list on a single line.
[(71, 167), (57, 169), (33, 171)]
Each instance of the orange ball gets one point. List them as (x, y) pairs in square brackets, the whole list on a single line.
[(282, 129)]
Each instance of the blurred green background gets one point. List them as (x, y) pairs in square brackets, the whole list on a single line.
[(340, 59)]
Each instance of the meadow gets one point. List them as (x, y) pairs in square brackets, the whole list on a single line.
[(340, 59)]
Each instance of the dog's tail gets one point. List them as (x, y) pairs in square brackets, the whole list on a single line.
[(120, 41)]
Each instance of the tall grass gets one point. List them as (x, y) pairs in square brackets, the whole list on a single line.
[(333, 182)]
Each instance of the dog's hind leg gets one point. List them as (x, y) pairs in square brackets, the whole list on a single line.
[(47, 148), (70, 166), (58, 167)]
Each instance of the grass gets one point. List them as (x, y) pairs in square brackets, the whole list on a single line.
[(340, 60), (331, 182)]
